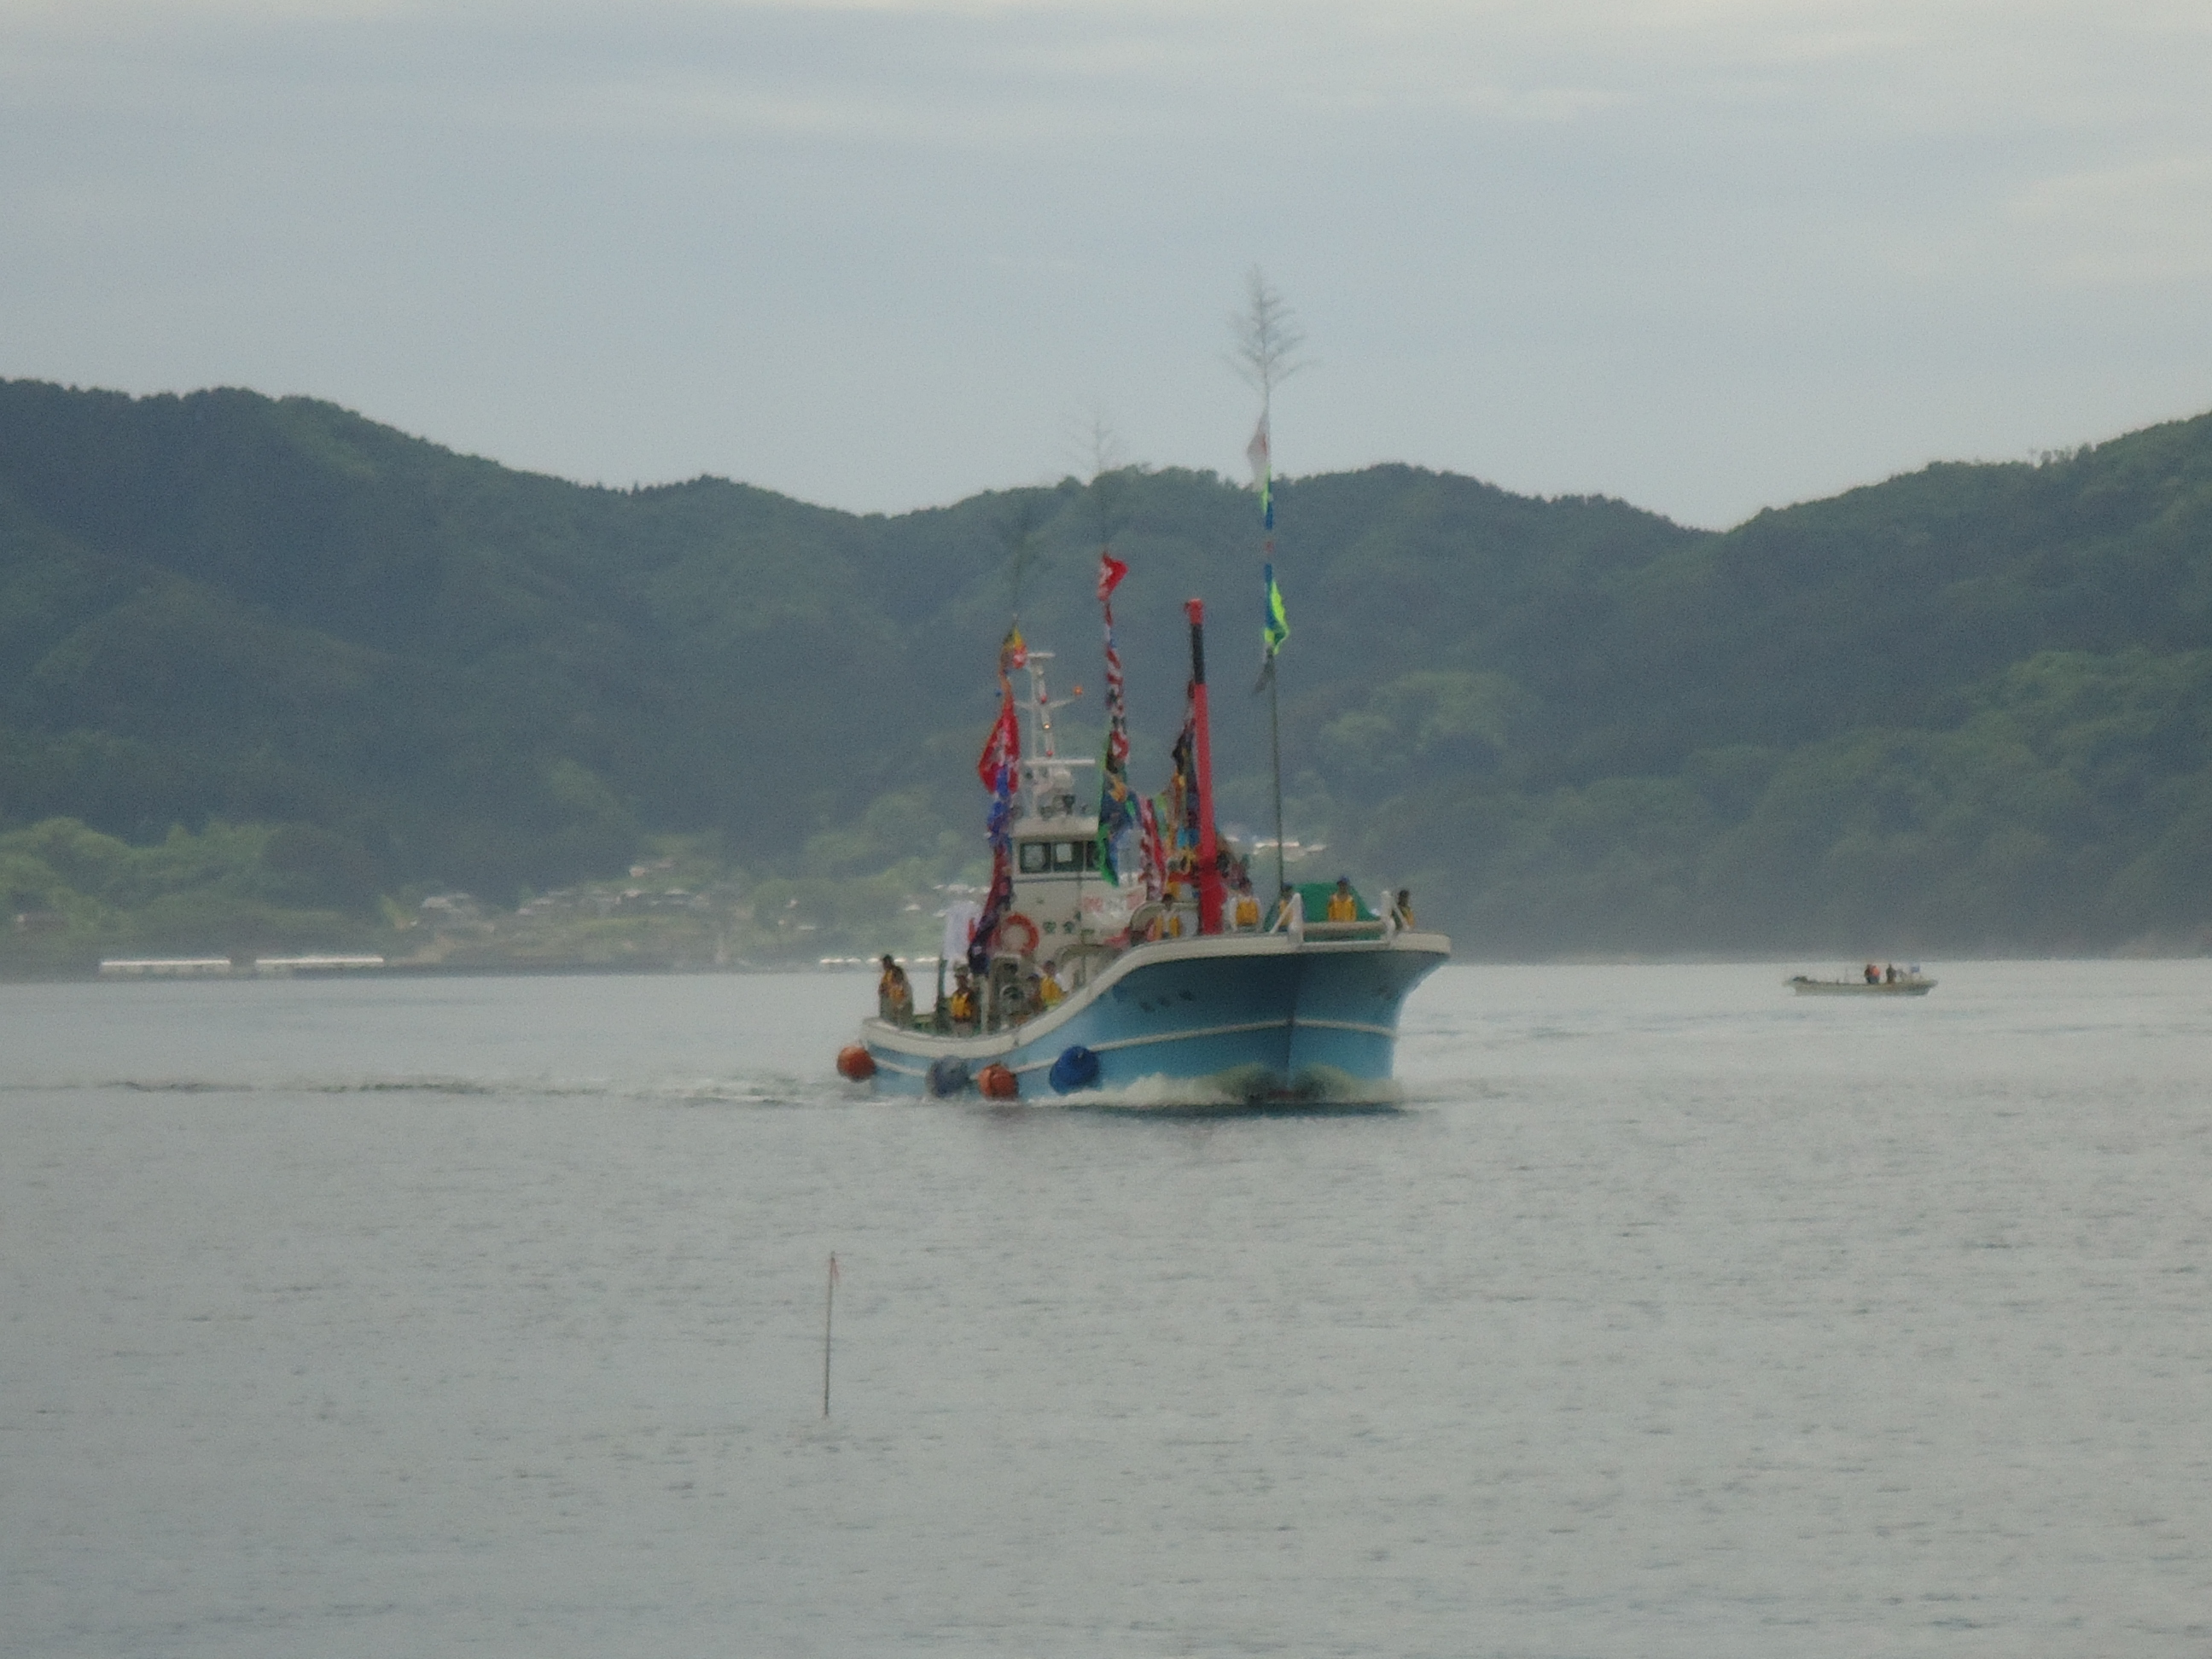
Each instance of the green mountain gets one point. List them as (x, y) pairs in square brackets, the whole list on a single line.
[(322, 663)]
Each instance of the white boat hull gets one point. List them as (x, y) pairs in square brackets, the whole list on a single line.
[(1913, 987)]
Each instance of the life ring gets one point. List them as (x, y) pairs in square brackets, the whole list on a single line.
[(1027, 928)]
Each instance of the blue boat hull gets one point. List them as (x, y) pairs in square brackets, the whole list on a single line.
[(1233, 1020)]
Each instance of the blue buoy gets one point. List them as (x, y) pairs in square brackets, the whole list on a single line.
[(948, 1076), (1076, 1068)]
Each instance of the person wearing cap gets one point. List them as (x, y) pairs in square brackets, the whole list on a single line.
[(1343, 904)]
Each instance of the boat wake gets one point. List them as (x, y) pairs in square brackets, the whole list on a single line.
[(701, 1091), (1169, 1097)]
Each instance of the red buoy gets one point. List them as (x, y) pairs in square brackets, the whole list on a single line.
[(997, 1083), (854, 1061)]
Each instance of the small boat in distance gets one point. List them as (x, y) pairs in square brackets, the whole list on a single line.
[(1870, 981)]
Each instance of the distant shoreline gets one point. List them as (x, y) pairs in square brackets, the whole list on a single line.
[(1808, 961)]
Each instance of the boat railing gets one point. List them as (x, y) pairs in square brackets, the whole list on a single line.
[(1335, 930)]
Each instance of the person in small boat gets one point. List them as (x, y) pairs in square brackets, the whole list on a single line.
[(1048, 991), (1404, 907), (961, 1007), (1873, 975), (1343, 903), (1889, 973), (894, 993)]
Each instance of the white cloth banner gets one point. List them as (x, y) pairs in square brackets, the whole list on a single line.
[(960, 918)]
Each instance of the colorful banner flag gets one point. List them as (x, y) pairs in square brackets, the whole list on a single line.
[(1276, 630), (1003, 748), (1117, 715), (1116, 814), (997, 767), (1000, 899), (1155, 850), (1184, 789)]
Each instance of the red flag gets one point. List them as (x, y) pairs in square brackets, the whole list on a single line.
[(1155, 851), (1004, 746), (1110, 572)]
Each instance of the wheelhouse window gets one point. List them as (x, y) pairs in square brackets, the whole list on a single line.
[(1057, 858)]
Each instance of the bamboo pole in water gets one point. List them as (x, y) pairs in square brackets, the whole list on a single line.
[(828, 1313)]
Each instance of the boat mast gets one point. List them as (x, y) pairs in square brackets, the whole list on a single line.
[(1275, 751), (1041, 704), (1209, 863), (1268, 339)]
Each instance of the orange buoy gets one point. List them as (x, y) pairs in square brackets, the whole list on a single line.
[(997, 1083), (856, 1062)]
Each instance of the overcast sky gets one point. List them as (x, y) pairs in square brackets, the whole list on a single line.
[(1706, 255)]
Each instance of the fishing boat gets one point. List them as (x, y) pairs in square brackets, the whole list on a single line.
[(1172, 987), (1870, 983)]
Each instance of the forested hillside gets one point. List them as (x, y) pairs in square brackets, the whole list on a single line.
[(1966, 710)]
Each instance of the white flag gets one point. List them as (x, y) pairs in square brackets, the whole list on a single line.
[(1256, 451), (960, 918)]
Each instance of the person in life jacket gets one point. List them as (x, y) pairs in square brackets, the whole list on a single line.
[(1246, 916), (894, 993), (1048, 992), (960, 1007), (1343, 903), (1404, 907)]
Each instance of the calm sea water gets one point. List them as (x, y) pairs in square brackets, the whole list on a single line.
[(1673, 1315)]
